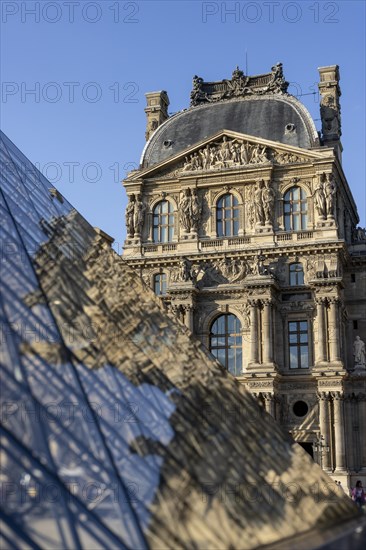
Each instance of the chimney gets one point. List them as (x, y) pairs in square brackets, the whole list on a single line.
[(330, 109), (156, 110)]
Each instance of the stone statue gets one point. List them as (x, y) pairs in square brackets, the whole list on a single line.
[(359, 352), (197, 94), (225, 150), (184, 270), (195, 210), (268, 199), (244, 153), (185, 210), (359, 234), (330, 195), (258, 203), (330, 115), (190, 209), (129, 214), (319, 196), (138, 214)]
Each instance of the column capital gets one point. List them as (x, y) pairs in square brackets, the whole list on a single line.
[(268, 396), (323, 396), (320, 300), (337, 396)]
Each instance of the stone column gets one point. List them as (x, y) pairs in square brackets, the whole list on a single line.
[(213, 231), (321, 355), (361, 398), (334, 348), (267, 332), (323, 399), (188, 317), (269, 403), (149, 221), (340, 457), (254, 348)]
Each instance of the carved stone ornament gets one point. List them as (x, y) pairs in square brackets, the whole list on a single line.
[(231, 153), (331, 116), (239, 86), (210, 273), (359, 354), (359, 234), (190, 210), (135, 215)]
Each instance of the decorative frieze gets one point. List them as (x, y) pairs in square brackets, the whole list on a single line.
[(235, 153)]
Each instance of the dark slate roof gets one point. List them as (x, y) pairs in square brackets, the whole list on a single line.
[(265, 117)]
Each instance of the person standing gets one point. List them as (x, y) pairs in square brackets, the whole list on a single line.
[(358, 495)]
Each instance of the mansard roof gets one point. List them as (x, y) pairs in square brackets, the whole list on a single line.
[(280, 118)]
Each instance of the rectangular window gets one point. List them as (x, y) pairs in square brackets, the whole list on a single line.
[(298, 344), (353, 277)]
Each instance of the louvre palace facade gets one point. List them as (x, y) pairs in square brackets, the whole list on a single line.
[(241, 218)]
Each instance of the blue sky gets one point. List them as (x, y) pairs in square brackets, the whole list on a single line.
[(90, 63)]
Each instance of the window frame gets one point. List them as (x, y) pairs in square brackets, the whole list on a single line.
[(233, 362), (296, 273), (227, 216), (290, 218), (160, 280), (158, 227), (297, 344)]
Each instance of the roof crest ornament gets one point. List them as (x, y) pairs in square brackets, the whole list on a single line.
[(240, 85)]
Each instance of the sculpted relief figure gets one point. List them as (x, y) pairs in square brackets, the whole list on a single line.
[(196, 210), (138, 214), (325, 197), (258, 200), (359, 234), (359, 352), (197, 93), (330, 195), (184, 270), (319, 195), (190, 210), (129, 215), (225, 154), (330, 115), (184, 210), (225, 150), (264, 203), (268, 199)]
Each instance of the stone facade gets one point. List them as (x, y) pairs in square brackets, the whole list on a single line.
[(250, 236)]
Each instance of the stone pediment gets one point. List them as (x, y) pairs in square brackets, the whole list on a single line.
[(228, 150)]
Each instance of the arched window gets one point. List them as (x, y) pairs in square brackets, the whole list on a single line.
[(295, 209), (226, 342), (163, 222), (296, 274), (227, 216)]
